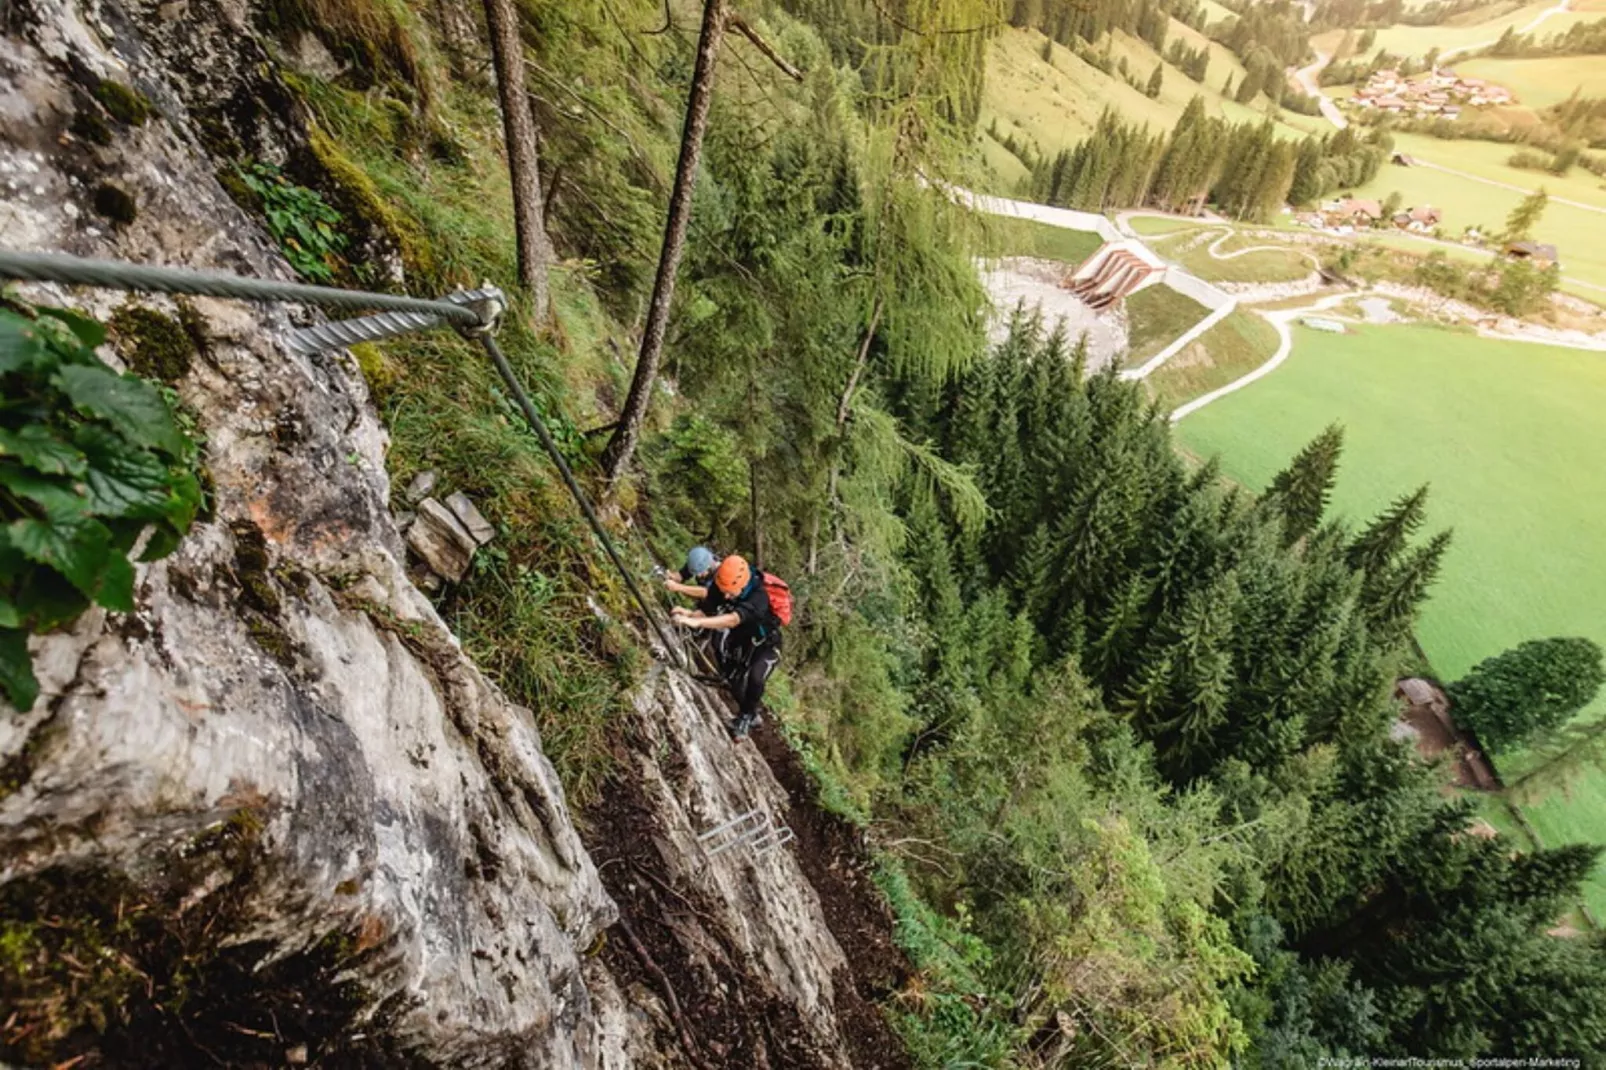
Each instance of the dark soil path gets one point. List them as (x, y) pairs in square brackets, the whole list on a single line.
[(671, 937)]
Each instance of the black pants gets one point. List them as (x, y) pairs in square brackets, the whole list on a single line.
[(748, 672)]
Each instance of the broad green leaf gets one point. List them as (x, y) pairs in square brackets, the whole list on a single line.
[(87, 331), (79, 551), (59, 499), (17, 681), (45, 599), (126, 402), (116, 590), (127, 482), (38, 447), (10, 615), (20, 344)]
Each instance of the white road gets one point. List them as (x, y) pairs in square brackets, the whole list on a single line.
[(1279, 319), (1308, 81)]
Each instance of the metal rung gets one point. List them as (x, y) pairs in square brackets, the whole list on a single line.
[(755, 829)]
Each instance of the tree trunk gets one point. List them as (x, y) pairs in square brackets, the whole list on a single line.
[(523, 158), (844, 409), (623, 444)]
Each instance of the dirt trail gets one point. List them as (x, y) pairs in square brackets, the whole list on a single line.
[(750, 957)]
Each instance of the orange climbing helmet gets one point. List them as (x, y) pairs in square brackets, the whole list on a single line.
[(732, 576)]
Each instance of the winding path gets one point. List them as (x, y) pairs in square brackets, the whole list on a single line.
[(1279, 319), (1229, 233), (1308, 78)]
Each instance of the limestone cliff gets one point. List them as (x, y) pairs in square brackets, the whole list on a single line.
[(281, 668)]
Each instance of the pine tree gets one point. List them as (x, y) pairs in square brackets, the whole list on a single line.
[(1374, 550), (1526, 690), (1307, 184), (1156, 80), (1391, 606), (1525, 216), (1048, 50), (1300, 492)]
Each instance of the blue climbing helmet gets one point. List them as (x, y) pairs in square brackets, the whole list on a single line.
[(699, 560)]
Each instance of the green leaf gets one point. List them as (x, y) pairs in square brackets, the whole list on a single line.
[(78, 550), (20, 344), (88, 331), (61, 501), (121, 481), (17, 681), (45, 599), (36, 446), (126, 402), (10, 615), (116, 589)]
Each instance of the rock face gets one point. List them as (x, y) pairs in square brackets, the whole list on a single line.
[(281, 675)]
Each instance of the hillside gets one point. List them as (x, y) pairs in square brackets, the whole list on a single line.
[(1052, 106)]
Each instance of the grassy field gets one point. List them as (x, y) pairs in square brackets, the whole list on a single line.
[(1024, 237), (1580, 235), (1145, 224), (1540, 83), (1235, 346), (1507, 434), (1270, 265), (1154, 317), (1417, 40)]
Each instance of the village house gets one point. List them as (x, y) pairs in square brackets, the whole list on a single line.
[(1440, 92), (1351, 211), (1419, 220), (1538, 252)]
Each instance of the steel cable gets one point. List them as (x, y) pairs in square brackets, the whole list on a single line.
[(474, 312)]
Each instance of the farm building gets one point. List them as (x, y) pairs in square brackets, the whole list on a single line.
[(1539, 252), (1419, 220), (1352, 211)]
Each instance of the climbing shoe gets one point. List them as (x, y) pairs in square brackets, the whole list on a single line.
[(741, 726)]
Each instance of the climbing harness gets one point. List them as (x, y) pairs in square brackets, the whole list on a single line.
[(475, 313)]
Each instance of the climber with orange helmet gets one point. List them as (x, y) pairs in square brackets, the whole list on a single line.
[(749, 643)]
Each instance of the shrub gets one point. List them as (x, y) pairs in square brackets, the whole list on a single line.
[(91, 463)]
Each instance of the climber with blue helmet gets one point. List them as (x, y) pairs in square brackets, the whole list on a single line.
[(696, 578)]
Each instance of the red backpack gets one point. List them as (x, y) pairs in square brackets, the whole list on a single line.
[(780, 597)]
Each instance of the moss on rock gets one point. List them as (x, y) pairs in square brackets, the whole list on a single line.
[(122, 103), (355, 196), (90, 127), (240, 193), (156, 346), (378, 369)]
